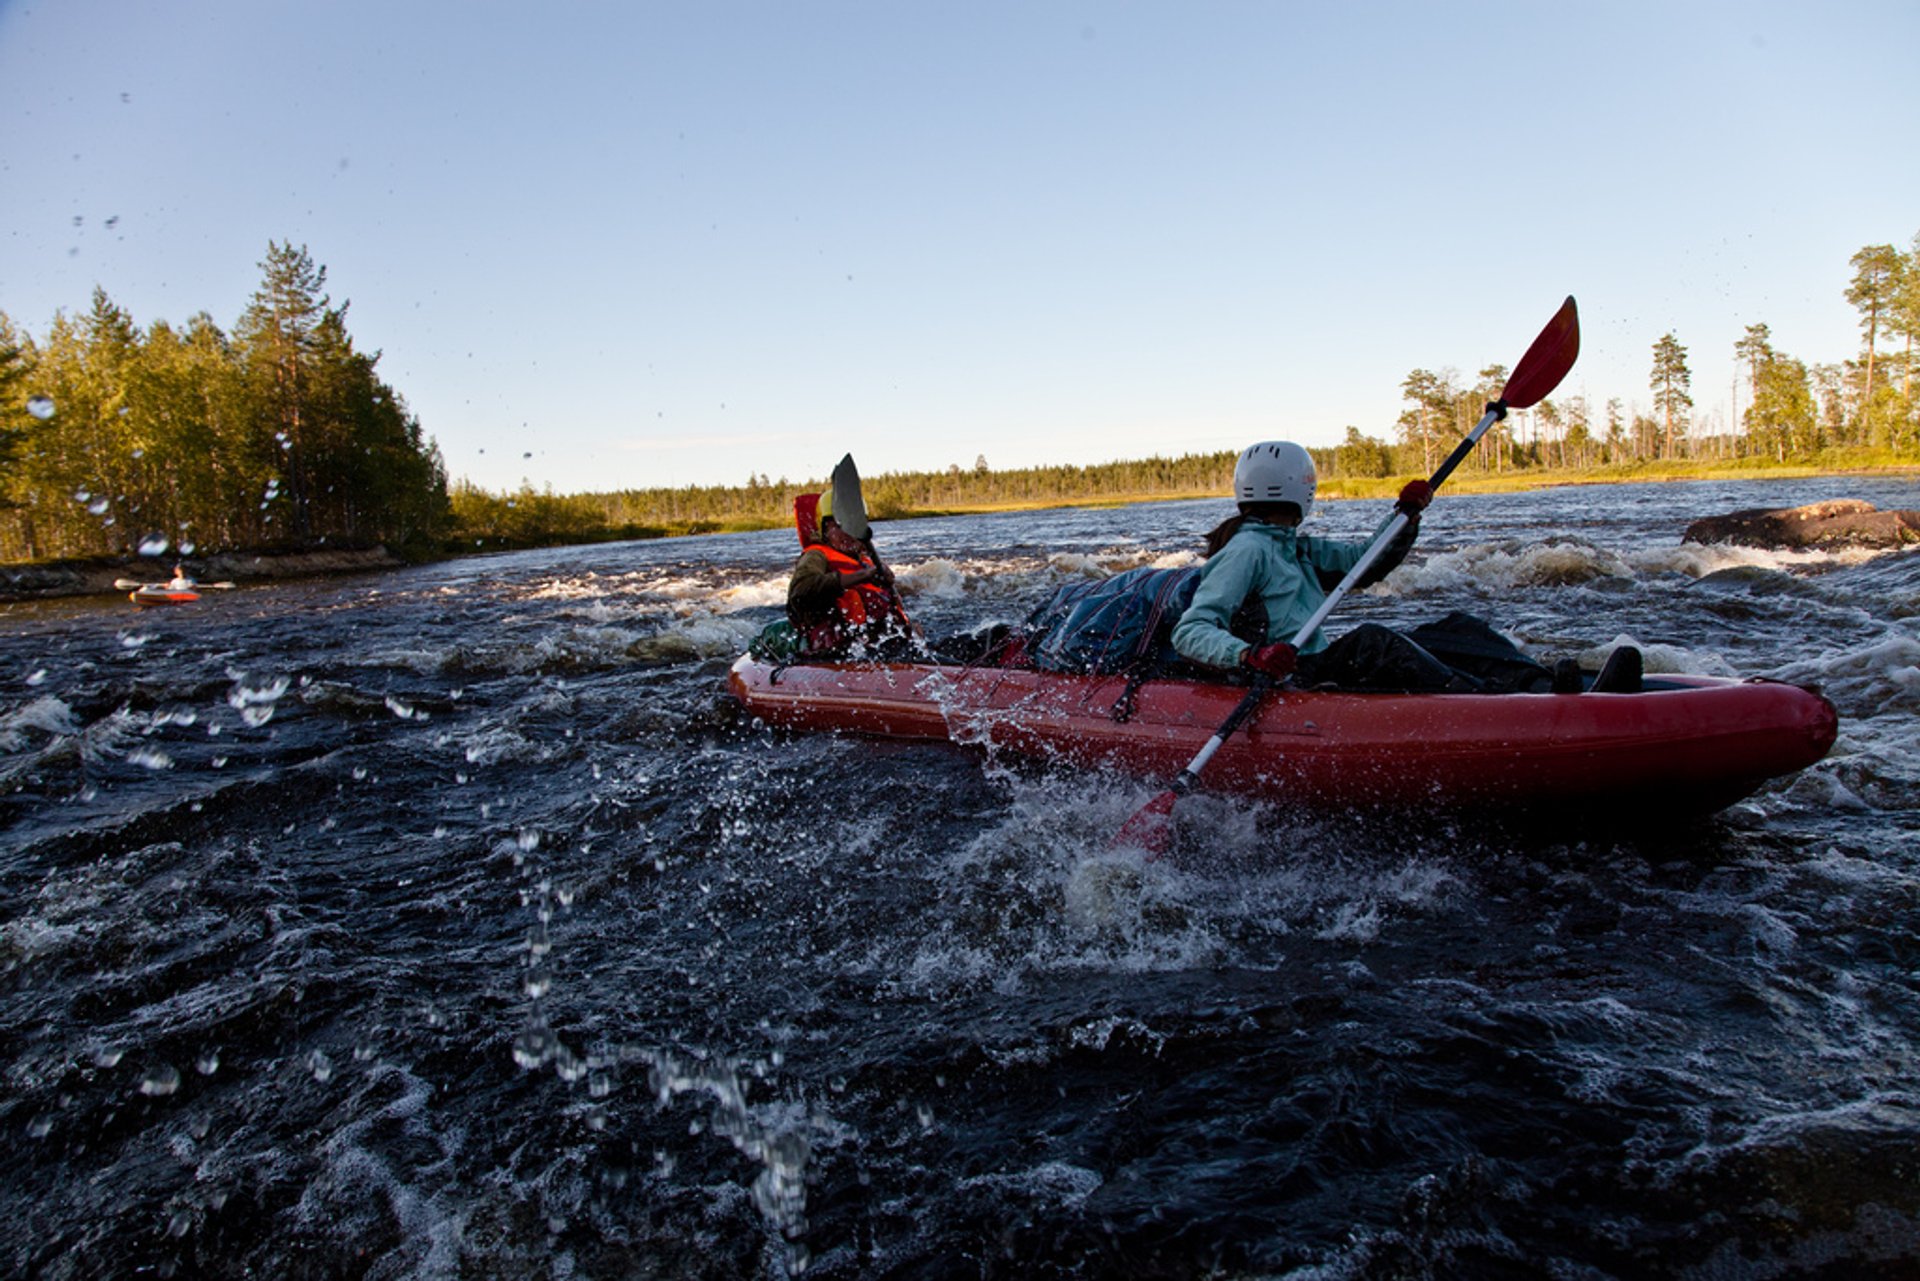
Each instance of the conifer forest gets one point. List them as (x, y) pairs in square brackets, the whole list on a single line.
[(121, 438)]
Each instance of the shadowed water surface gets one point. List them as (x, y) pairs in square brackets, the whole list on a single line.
[(451, 922)]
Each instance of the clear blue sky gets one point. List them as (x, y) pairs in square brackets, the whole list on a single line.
[(627, 244)]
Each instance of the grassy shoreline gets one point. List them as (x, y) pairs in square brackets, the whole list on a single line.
[(1342, 488), (30, 580)]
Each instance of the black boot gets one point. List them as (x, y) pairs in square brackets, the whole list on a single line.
[(1620, 674)]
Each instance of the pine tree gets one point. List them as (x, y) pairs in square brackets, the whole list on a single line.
[(14, 412), (1782, 419), (1616, 430), (1875, 293), (278, 338), (1905, 321), (1431, 395), (1669, 381)]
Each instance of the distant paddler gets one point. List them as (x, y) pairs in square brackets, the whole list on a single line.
[(178, 590)]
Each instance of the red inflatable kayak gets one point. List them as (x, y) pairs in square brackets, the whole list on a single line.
[(1685, 743), (157, 594)]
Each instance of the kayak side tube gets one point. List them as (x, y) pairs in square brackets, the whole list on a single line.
[(1686, 742)]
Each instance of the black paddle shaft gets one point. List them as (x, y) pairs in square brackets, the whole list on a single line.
[(1497, 409)]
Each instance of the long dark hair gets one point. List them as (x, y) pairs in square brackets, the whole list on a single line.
[(1266, 513)]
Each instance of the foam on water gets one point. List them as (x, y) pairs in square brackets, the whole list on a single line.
[(569, 968), (1655, 659), (1552, 563), (768, 593), (936, 578), (1042, 892), (1566, 560), (46, 715)]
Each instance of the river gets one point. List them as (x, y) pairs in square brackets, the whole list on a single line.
[(451, 922)]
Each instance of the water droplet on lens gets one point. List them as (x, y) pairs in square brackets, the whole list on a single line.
[(533, 1047), (164, 1079)]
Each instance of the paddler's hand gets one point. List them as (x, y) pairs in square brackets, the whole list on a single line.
[(1414, 497), (1277, 660)]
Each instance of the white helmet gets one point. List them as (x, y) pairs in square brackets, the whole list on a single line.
[(1275, 471)]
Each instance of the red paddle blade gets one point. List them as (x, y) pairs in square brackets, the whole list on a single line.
[(1151, 827), (1547, 361)]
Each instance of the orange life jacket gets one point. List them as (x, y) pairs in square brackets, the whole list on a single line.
[(869, 603), (866, 608)]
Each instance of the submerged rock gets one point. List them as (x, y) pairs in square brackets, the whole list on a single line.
[(1843, 522)]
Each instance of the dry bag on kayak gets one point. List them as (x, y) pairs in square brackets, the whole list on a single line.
[(779, 642), (1119, 624), (1470, 645)]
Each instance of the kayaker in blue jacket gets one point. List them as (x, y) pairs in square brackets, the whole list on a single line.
[(1259, 562)]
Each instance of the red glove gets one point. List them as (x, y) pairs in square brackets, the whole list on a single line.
[(1414, 498), (1276, 660)]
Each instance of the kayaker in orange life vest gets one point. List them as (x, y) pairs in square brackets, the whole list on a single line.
[(840, 597)]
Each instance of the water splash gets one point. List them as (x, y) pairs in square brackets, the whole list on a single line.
[(255, 703), (162, 1080)]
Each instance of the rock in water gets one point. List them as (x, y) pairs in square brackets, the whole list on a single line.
[(1843, 522)]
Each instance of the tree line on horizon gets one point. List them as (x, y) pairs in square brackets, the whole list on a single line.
[(1794, 411), (1857, 410), (116, 440), (165, 441)]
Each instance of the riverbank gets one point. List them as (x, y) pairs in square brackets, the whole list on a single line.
[(1339, 488), (99, 576)]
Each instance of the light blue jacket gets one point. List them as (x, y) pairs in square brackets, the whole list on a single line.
[(1279, 565)]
